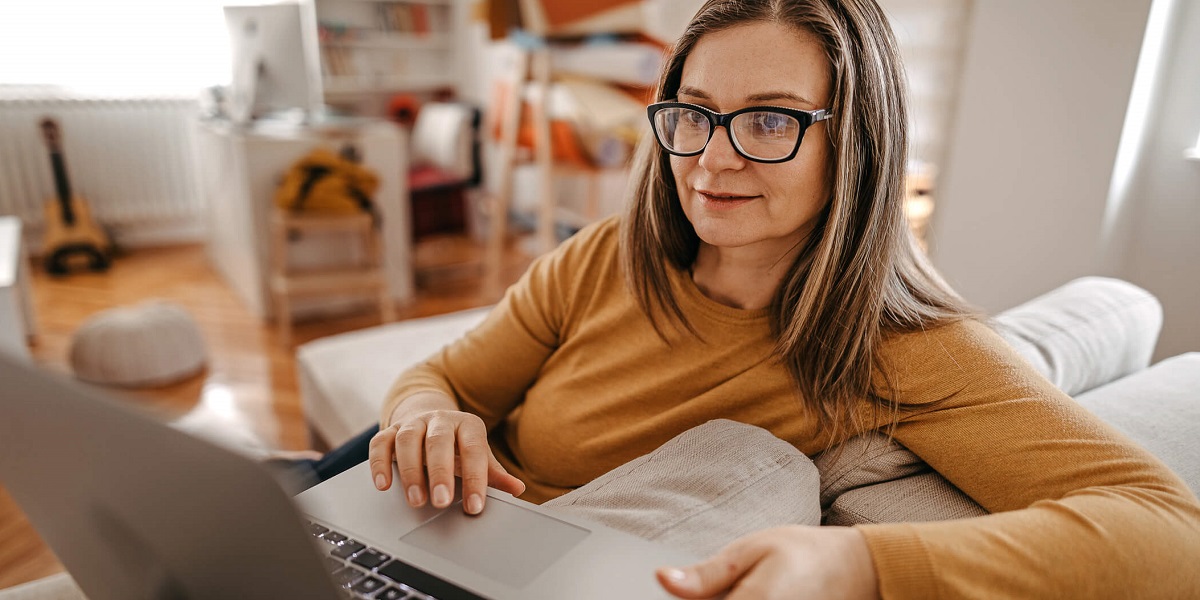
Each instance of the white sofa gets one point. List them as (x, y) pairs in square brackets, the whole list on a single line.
[(1092, 337)]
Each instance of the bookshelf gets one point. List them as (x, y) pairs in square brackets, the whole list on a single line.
[(568, 122), (568, 106), (374, 48)]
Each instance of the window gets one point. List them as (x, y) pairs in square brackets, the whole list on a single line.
[(116, 47)]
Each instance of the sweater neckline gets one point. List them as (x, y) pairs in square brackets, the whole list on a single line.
[(692, 299)]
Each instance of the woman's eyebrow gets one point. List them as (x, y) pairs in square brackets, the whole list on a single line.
[(687, 90), (773, 96)]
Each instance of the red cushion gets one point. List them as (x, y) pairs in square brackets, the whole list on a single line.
[(428, 176)]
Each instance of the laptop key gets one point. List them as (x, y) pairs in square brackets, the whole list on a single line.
[(347, 548), (368, 585), (408, 576), (317, 530), (333, 537), (369, 558), (347, 576), (392, 594)]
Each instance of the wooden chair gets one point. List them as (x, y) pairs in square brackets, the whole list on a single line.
[(365, 278)]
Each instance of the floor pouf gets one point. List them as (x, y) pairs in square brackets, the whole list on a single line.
[(149, 344)]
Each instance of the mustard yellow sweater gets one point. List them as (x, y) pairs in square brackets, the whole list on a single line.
[(572, 381)]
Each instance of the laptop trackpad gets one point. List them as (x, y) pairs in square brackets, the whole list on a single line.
[(507, 543)]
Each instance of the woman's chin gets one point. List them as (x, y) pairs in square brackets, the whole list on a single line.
[(723, 235)]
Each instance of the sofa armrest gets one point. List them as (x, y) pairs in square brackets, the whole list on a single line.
[(1086, 333), (344, 379)]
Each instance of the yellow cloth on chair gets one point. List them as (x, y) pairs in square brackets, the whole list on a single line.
[(323, 181)]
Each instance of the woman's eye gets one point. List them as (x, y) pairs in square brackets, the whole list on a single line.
[(770, 125), (692, 118)]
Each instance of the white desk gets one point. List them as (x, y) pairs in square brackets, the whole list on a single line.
[(240, 169), (17, 323)]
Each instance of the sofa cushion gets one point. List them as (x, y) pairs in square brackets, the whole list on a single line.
[(1086, 333), (1159, 408), (871, 479), (344, 378)]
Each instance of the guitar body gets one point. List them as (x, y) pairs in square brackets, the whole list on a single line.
[(65, 244), (72, 236)]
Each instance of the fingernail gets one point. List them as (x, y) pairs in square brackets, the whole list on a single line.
[(675, 575), (380, 481), (475, 504), (414, 495), (441, 496)]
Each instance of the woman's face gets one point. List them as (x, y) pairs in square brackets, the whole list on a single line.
[(733, 202)]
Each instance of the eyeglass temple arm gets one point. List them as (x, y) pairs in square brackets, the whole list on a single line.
[(821, 115)]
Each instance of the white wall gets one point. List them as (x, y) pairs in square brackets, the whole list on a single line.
[(1042, 99), (1162, 249), (931, 34)]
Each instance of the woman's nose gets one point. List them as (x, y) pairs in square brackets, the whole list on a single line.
[(720, 154)]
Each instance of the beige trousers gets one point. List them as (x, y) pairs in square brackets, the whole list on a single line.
[(704, 488)]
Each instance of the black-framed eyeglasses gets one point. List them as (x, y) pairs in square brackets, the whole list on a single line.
[(765, 134)]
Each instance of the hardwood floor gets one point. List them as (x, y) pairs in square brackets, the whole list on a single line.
[(249, 387)]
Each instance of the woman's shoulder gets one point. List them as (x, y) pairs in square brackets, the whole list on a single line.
[(941, 338), (943, 358), (597, 237), (585, 256), (594, 246)]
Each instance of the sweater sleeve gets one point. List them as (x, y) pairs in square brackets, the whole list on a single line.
[(1079, 510), (489, 369)]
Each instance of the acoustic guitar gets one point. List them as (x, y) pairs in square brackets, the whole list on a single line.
[(72, 237)]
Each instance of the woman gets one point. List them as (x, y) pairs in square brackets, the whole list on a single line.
[(764, 274)]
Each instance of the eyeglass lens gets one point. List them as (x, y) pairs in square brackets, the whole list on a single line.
[(758, 134)]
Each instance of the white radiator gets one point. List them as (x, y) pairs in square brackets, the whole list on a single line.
[(131, 159)]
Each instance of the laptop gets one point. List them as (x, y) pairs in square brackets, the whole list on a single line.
[(136, 509)]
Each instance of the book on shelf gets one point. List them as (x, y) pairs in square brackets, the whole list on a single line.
[(337, 61), (420, 19), (415, 18), (402, 18)]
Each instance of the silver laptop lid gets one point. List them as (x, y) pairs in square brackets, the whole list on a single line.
[(134, 509)]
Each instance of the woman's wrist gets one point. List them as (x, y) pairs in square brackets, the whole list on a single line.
[(417, 403), (859, 559)]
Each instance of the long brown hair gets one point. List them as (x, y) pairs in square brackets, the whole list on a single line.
[(860, 275)]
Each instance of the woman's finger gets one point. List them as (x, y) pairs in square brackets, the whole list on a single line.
[(379, 456), (410, 460), (473, 464), (501, 479), (714, 575), (439, 459)]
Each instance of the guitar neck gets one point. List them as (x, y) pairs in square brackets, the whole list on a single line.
[(63, 186)]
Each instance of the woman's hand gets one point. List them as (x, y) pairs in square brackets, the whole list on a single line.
[(427, 436), (785, 562)]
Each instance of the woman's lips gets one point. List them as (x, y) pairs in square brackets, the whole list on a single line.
[(722, 199)]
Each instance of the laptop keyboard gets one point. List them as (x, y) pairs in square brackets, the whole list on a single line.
[(364, 572)]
